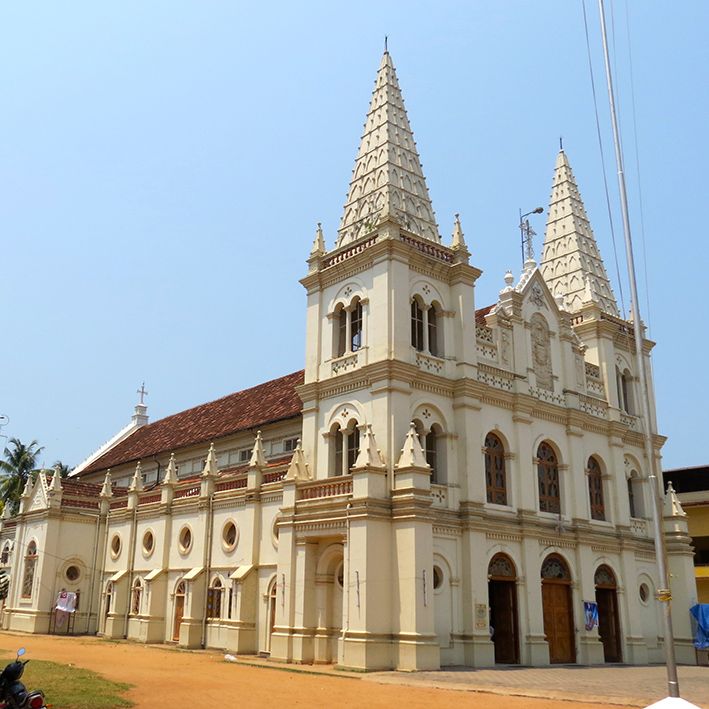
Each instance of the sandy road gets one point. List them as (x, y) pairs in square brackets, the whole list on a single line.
[(165, 677)]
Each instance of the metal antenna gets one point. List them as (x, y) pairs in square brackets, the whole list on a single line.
[(526, 234)]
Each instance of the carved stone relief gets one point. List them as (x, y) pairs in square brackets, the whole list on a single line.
[(541, 353)]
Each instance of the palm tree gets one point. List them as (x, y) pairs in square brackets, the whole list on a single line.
[(63, 469), (19, 465)]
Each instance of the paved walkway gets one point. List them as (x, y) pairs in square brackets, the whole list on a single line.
[(624, 685)]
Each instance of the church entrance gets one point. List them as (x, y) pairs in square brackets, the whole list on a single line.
[(608, 622), (179, 611), (557, 610), (502, 594)]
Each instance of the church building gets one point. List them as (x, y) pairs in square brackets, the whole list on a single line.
[(444, 483)]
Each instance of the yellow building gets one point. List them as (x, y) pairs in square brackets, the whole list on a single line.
[(692, 487)]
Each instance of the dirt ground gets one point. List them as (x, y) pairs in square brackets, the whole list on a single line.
[(165, 677)]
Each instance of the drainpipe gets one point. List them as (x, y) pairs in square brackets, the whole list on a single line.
[(207, 567), (346, 624), (92, 585)]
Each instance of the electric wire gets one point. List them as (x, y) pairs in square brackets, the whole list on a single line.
[(603, 161)]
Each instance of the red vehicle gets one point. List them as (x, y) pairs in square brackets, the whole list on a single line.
[(13, 694)]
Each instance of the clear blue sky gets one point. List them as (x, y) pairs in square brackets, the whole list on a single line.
[(163, 165)]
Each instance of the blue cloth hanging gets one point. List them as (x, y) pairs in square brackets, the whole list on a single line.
[(700, 613)]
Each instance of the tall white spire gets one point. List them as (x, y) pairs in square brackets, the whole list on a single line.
[(387, 179), (571, 262)]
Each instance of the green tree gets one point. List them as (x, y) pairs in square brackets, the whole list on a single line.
[(20, 463), (63, 469)]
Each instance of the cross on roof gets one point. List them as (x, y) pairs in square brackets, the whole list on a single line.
[(142, 393)]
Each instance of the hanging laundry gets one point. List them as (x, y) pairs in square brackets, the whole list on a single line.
[(66, 601)]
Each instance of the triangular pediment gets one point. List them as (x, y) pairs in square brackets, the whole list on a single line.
[(39, 499), (536, 297)]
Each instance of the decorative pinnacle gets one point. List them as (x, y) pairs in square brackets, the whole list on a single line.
[(136, 484), (412, 455), (458, 242), (171, 472), (369, 455), (107, 487), (211, 469), (258, 458), (318, 242), (298, 468)]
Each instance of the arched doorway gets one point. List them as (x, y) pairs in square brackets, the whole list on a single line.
[(272, 594), (180, 593), (608, 621), (557, 609), (502, 594)]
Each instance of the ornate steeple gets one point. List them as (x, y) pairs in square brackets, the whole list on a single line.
[(571, 262), (387, 179)]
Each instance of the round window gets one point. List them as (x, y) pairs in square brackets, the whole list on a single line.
[(185, 539), (437, 577), (644, 592), (148, 543), (230, 535), (115, 545), (72, 573)]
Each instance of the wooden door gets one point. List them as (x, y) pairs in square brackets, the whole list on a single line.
[(608, 625), (558, 621), (179, 613), (503, 620)]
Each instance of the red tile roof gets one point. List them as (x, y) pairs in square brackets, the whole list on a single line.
[(481, 313), (266, 403)]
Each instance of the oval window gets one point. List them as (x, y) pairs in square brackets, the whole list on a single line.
[(185, 539), (115, 545), (230, 535), (148, 543), (72, 573)]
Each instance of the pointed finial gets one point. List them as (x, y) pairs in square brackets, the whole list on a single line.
[(170, 477), (107, 487), (458, 241), (369, 455), (318, 242), (672, 506), (211, 468), (386, 43), (6, 513), (258, 457), (56, 484), (136, 484), (27, 491), (561, 143), (412, 455), (298, 468)]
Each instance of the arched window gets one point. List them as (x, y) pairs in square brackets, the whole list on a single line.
[(136, 596), (495, 474), (595, 489), (624, 381), (635, 495), (109, 598), (349, 328), (30, 565), (417, 325), (431, 448), (341, 332), (548, 479), (433, 343), (555, 568), (346, 448), (214, 599), (5, 557), (356, 326)]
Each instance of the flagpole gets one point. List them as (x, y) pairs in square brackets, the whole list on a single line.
[(663, 593)]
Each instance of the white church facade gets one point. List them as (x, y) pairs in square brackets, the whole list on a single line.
[(443, 483)]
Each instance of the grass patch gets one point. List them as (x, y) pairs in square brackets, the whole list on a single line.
[(69, 687)]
